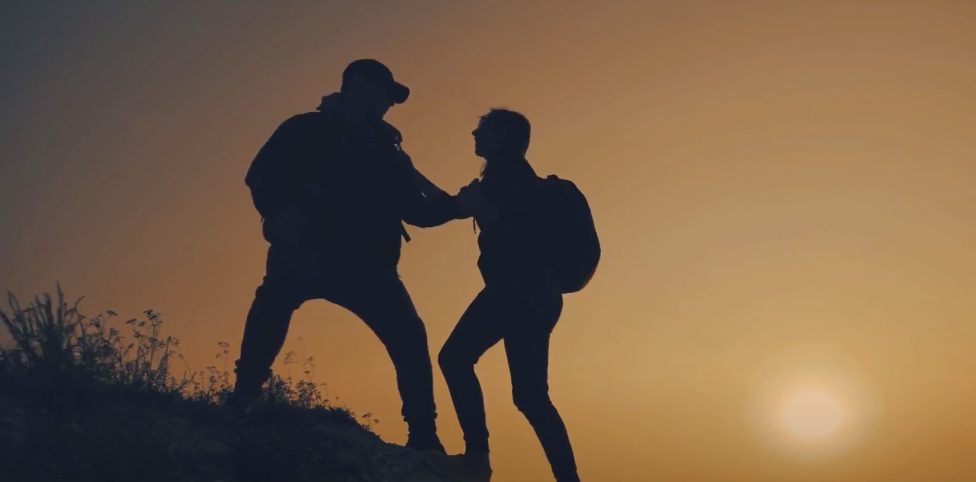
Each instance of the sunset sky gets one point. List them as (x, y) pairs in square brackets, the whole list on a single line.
[(785, 191)]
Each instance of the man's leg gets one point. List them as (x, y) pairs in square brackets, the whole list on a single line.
[(527, 349), (384, 304), (279, 295)]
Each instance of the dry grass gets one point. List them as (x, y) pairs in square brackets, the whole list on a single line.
[(81, 401)]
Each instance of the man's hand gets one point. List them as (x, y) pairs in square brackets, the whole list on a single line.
[(473, 203)]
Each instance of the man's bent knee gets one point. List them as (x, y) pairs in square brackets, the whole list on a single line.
[(279, 295)]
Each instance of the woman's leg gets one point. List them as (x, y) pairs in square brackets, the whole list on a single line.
[(475, 333), (527, 348)]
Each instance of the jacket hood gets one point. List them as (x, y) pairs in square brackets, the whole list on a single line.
[(330, 103)]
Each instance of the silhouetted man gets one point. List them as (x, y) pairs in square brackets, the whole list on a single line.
[(333, 188)]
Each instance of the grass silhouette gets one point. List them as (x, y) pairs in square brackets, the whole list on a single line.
[(81, 401)]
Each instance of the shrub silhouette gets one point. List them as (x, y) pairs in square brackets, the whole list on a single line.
[(81, 401)]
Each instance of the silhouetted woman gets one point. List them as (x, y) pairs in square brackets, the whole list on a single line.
[(519, 305)]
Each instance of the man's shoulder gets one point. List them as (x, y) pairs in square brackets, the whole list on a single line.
[(305, 120), (305, 127), (315, 122)]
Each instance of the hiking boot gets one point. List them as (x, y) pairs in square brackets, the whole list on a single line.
[(243, 398), (240, 403), (468, 467), (425, 442), (247, 388)]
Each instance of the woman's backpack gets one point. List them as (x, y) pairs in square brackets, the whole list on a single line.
[(573, 238)]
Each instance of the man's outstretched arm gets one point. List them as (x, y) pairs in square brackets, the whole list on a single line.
[(429, 212), (426, 205)]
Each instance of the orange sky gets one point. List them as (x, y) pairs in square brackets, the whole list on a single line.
[(786, 196)]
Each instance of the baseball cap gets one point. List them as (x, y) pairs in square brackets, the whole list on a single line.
[(375, 70)]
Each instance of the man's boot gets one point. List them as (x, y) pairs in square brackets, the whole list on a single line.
[(247, 390), (423, 437)]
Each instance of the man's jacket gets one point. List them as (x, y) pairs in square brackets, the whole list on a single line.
[(356, 187)]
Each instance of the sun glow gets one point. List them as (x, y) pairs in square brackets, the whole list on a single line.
[(811, 414), (811, 407)]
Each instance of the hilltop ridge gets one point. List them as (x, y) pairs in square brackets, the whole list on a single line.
[(80, 402)]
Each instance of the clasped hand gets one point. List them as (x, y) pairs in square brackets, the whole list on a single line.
[(473, 203)]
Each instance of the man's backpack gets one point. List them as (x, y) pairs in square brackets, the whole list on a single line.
[(575, 246)]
